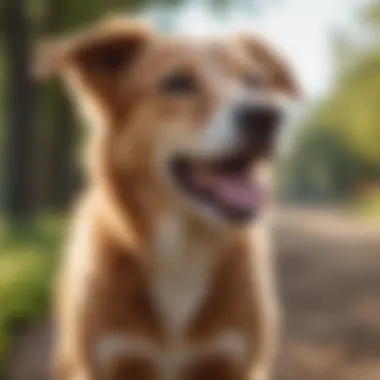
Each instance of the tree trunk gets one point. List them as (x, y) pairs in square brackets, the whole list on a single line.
[(61, 139), (62, 144), (20, 133)]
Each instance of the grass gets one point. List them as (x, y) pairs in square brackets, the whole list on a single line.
[(28, 252)]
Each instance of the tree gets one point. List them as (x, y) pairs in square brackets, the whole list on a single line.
[(20, 105), (341, 136)]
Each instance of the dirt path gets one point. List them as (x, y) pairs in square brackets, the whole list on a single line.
[(329, 269), (329, 280)]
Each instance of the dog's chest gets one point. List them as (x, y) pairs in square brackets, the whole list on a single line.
[(182, 276), (180, 284)]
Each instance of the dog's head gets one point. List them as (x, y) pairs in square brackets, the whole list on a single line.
[(192, 118)]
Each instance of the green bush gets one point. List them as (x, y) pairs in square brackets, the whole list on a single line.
[(28, 252), (368, 205)]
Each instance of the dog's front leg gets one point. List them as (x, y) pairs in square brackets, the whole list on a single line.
[(267, 316), (69, 371), (72, 359), (259, 373), (266, 342)]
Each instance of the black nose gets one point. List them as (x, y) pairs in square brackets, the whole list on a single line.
[(258, 123)]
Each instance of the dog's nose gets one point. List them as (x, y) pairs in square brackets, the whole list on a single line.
[(258, 123)]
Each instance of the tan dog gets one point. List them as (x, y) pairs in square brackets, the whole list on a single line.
[(166, 276)]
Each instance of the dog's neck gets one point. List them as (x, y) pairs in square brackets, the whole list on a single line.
[(140, 226), (139, 221)]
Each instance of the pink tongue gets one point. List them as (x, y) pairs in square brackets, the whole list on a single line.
[(236, 189)]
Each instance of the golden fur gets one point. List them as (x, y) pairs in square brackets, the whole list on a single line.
[(122, 221)]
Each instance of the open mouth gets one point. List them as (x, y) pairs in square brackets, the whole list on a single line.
[(224, 184)]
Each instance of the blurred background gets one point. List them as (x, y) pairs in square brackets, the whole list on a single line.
[(328, 216)]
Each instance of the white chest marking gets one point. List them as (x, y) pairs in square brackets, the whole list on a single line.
[(183, 269), (169, 360)]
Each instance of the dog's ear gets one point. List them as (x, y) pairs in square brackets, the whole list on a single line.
[(95, 61), (281, 76)]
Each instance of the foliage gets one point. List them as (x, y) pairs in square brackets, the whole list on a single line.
[(338, 145), (368, 205), (27, 257)]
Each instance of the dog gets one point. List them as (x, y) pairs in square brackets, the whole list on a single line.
[(167, 273)]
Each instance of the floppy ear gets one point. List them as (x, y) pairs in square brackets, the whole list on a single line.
[(281, 75), (95, 61)]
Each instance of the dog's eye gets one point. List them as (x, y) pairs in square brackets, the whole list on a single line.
[(179, 83), (254, 81)]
